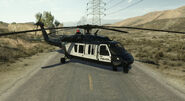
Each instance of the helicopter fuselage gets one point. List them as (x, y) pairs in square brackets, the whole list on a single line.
[(92, 47), (99, 52), (97, 48)]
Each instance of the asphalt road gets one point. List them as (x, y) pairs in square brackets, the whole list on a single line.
[(83, 81)]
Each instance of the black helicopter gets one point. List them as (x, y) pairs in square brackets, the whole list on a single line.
[(91, 47)]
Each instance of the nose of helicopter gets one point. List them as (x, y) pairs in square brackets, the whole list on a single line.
[(128, 58)]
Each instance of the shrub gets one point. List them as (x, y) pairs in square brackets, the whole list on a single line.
[(159, 55), (13, 22)]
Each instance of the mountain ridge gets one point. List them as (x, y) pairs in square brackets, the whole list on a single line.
[(153, 16)]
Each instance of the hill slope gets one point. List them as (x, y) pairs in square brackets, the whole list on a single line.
[(153, 16), (173, 24)]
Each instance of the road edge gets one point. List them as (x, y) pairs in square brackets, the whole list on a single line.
[(159, 77)]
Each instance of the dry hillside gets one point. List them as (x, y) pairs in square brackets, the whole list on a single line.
[(168, 14)]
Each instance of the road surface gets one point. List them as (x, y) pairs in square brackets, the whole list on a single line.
[(84, 81)]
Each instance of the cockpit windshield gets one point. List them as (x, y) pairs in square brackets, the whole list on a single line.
[(117, 48)]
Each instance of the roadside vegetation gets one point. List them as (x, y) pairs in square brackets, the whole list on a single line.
[(14, 48), (163, 51), (47, 18)]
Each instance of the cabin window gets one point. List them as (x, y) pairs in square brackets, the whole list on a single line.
[(92, 51), (75, 48), (89, 49), (81, 48), (104, 51)]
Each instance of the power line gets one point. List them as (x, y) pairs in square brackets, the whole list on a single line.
[(116, 4), (126, 7)]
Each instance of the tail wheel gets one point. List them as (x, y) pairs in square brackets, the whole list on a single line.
[(63, 60)]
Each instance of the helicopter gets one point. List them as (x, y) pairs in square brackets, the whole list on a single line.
[(92, 47)]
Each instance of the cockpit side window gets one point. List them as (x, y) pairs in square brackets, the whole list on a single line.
[(104, 51)]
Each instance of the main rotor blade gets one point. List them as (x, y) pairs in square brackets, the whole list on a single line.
[(147, 29), (111, 29), (26, 31), (72, 27), (11, 33)]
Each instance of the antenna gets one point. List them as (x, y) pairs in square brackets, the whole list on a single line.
[(95, 9)]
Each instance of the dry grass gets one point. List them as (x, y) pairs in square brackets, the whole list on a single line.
[(166, 51), (13, 48)]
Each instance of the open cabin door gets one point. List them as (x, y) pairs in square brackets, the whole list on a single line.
[(104, 53)]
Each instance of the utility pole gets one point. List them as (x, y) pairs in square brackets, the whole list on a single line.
[(95, 10)]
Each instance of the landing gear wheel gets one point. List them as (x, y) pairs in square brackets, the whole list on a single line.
[(125, 69), (63, 60), (68, 56), (114, 68)]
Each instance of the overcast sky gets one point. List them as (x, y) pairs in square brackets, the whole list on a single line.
[(73, 10)]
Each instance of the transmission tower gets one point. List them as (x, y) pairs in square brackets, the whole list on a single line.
[(95, 10)]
